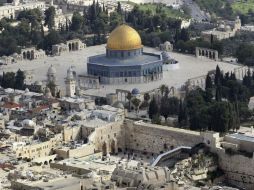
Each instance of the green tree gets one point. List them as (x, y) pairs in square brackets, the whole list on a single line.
[(164, 108), (184, 35), (146, 97), (217, 79), (19, 80), (77, 22), (129, 97), (182, 114), (50, 17), (136, 103), (156, 119), (220, 117), (119, 8), (163, 89), (153, 108), (8, 80), (208, 82), (34, 17), (52, 38)]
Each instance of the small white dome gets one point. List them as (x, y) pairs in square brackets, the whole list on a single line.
[(52, 70), (38, 82), (28, 123), (167, 43), (118, 105), (221, 26)]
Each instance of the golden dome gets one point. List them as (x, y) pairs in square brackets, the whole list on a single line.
[(124, 37)]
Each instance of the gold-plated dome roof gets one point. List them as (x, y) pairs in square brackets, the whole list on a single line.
[(124, 37)]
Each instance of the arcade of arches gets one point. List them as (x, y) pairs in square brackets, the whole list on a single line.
[(109, 147), (208, 53)]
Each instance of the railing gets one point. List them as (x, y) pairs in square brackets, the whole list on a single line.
[(168, 153)]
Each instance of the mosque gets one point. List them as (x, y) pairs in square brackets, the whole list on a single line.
[(125, 62)]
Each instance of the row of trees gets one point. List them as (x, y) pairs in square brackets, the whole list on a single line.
[(13, 80), (220, 107), (163, 105)]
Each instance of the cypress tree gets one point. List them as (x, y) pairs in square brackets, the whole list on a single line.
[(153, 108), (218, 93), (208, 82), (217, 79)]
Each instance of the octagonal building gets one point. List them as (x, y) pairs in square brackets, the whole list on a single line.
[(124, 61)]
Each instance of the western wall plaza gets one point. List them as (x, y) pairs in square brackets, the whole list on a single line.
[(128, 95)]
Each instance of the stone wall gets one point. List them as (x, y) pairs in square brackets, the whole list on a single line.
[(73, 169), (110, 136), (38, 150), (156, 138), (238, 168)]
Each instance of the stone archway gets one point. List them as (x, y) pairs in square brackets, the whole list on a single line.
[(32, 54), (28, 55), (24, 55), (69, 46)]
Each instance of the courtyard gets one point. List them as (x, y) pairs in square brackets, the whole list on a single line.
[(190, 67)]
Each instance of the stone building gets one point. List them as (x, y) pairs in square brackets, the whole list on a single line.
[(127, 176), (226, 29), (70, 84), (68, 46), (26, 54), (124, 61), (32, 53), (11, 10), (166, 46), (35, 150), (58, 49)]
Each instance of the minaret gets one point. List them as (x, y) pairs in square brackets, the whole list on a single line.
[(70, 83)]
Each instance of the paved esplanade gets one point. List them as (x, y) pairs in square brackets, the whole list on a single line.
[(190, 67)]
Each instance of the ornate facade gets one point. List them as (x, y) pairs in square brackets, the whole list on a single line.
[(124, 61)]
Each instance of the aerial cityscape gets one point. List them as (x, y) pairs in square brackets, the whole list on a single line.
[(126, 94)]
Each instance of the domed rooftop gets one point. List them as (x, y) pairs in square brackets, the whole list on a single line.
[(135, 91), (51, 70), (28, 123), (118, 105), (38, 82), (124, 37)]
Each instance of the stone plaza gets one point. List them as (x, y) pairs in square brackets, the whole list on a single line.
[(189, 67)]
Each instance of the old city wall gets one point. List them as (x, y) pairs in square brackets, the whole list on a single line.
[(38, 150), (156, 138), (111, 135), (71, 133), (73, 169), (85, 150), (238, 168)]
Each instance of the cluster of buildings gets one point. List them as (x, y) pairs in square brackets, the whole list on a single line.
[(49, 143), (224, 30), (55, 139)]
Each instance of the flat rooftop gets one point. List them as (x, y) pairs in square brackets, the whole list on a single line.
[(242, 137)]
